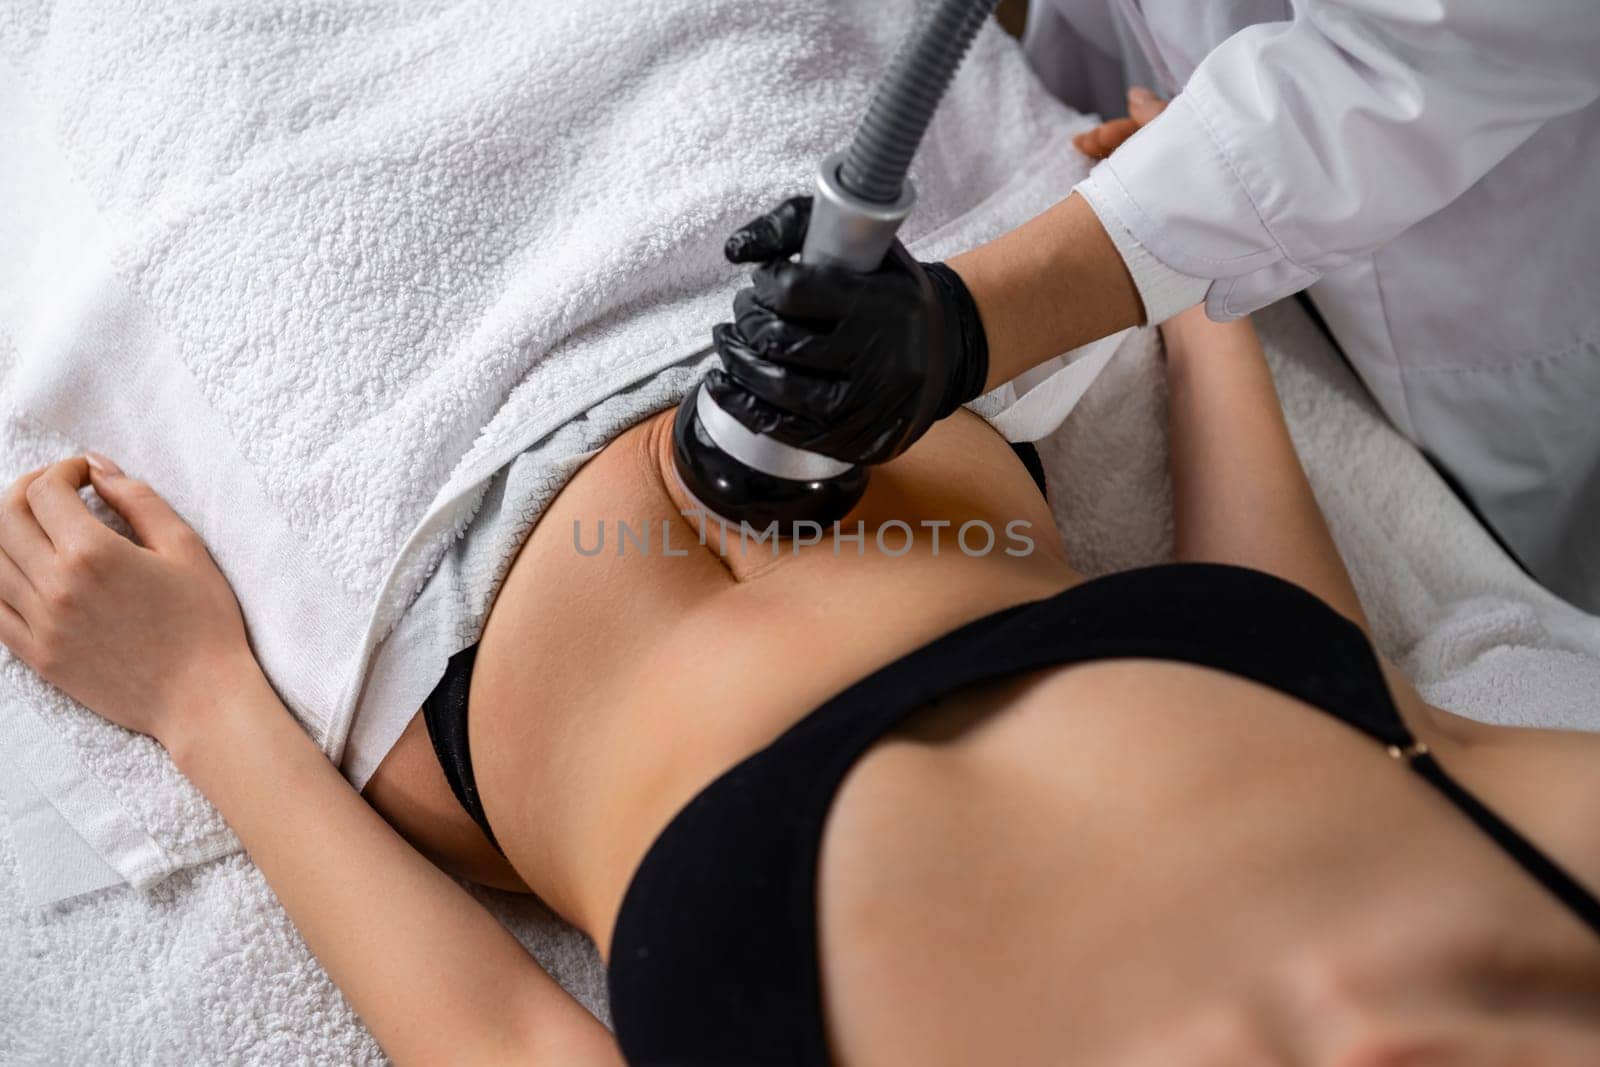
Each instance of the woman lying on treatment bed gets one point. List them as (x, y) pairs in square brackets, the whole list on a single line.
[(877, 808)]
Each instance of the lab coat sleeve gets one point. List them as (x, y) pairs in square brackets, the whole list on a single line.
[(1298, 146), (1163, 291)]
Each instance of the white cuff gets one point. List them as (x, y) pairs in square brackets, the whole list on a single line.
[(1164, 291), (1171, 186)]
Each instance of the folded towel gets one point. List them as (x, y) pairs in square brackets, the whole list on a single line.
[(343, 281)]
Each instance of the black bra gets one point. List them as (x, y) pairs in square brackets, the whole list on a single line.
[(714, 955)]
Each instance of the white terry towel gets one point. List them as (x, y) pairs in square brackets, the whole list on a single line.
[(320, 272)]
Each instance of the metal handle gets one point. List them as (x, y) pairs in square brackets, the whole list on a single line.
[(847, 229)]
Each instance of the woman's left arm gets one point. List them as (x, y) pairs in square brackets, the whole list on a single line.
[(150, 636)]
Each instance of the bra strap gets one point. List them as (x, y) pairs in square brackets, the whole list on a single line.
[(1530, 858)]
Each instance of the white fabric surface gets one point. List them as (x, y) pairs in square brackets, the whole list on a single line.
[(342, 282), (207, 968), (1432, 168)]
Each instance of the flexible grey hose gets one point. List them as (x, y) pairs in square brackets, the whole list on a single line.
[(879, 155)]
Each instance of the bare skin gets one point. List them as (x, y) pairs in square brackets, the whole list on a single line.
[(1017, 280), (1141, 861)]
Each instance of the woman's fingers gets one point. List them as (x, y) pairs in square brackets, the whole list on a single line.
[(151, 518), (1143, 105), (42, 516), (15, 589), (21, 537), (1105, 138), (53, 499), (14, 631), (15, 594)]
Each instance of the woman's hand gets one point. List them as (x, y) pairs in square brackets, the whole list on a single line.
[(141, 633), (147, 635), (1106, 138)]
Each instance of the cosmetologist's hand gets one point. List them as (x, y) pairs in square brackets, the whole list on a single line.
[(141, 633), (1106, 138), (850, 365)]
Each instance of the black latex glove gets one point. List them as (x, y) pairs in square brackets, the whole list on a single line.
[(854, 366)]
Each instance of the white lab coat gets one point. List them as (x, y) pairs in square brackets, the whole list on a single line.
[(1431, 169)]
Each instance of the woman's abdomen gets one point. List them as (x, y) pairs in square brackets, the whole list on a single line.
[(628, 660)]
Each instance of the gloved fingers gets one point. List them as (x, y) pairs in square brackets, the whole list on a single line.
[(777, 234), (871, 422), (823, 291), (899, 261), (870, 441), (808, 291), (858, 422), (862, 441), (758, 416), (788, 342), (811, 397)]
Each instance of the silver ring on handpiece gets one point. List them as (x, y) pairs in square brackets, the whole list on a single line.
[(762, 453)]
